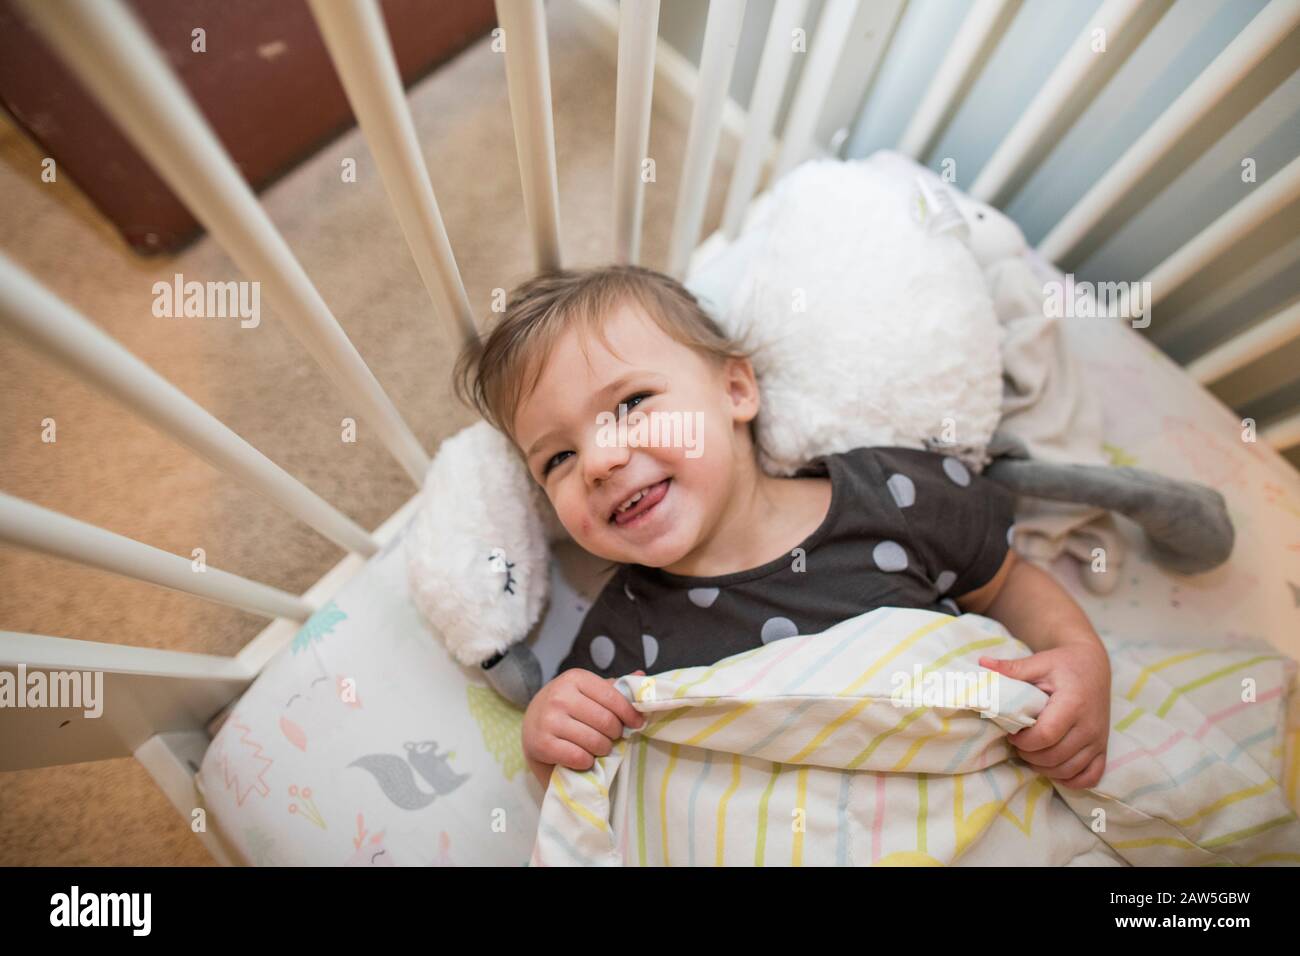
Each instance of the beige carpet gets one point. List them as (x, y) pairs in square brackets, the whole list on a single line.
[(109, 469)]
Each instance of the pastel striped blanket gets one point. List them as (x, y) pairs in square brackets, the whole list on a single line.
[(878, 742)]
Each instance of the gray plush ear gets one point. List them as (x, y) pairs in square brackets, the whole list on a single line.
[(1187, 523), (516, 675), (478, 561)]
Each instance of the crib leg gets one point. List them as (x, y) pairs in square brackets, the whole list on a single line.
[(173, 760)]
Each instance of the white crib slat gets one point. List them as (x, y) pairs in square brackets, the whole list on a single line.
[(45, 321), (358, 44), (1251, 46), (638, 35), (145, 692), (833, 31), (1259, 340), (171, 759), (528, 78), (869, 37), (1280, 190), (955, 75), (109, 51), (717, 61), (49, 532), (773, 71), (1283, 434), (1060, 102)]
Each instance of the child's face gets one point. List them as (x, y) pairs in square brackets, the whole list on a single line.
[(694, 460)]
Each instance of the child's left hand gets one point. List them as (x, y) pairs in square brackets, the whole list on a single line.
[(1068, 741)]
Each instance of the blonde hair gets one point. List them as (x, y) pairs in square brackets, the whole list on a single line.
[(495, 374)]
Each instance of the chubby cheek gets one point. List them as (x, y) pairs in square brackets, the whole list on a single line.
[(575, 517)]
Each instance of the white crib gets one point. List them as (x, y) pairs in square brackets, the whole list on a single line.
[(165, 702)]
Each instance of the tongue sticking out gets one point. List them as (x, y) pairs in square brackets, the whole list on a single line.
[(653, 495)]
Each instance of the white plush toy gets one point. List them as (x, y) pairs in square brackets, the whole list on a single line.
[(874, 323)]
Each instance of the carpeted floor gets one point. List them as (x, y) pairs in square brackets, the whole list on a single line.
[(109, 469)]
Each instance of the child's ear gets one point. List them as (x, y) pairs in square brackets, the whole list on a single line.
[(742, 388)]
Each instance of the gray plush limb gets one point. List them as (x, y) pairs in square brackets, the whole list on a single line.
[(516, 675), (1187, 523)]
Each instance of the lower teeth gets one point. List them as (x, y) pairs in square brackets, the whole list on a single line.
[(628, 514)]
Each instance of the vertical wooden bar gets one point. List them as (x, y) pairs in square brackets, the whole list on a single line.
[(956, 74), (45, 321), (717, 61), (638, 34), (38, 529), (109, 51), (773, 72), (1260, 37), (1281, 190), (814, 83), (1065, 95), (358, 44), (528, 76)]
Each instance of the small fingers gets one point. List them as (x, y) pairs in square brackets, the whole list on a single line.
[(1090, 777), (1057, 755), (603, 693), (595, 715), (566, 754), (1075, 765), (591, 741), (1054, 722)]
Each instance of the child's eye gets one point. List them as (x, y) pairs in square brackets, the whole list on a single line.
[(557, 457), (628, 401), (546, 469)]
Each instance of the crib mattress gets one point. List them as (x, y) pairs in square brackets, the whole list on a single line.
[(1157, 418), (364, 743)]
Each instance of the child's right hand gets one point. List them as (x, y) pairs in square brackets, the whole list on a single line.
[(575, 719)]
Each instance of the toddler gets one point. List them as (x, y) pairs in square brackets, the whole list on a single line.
[(713, 555)]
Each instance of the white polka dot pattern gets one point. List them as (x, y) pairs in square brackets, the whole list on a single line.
[(903, 490), (889, 556), (777, 629), (702, 597), (650, 648), (955, 470), (602, 652)]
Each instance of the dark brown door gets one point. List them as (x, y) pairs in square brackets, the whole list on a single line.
[(263, 80)]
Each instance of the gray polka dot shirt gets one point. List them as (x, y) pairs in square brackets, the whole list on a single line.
[(905, 528)]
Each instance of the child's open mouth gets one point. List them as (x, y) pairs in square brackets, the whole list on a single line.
[(639, 511)]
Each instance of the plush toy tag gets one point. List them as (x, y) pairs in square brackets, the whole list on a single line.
[(936, 211)]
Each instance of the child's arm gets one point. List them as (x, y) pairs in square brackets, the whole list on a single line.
[(1032, 606), (1068, 742)]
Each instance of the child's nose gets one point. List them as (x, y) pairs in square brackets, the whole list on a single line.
[(604, 459)]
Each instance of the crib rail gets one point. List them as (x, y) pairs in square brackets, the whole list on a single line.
[(1075, 82), (107, 49), (142, 692), (51, 325), (39, 529), (1243, 57), (358, 44), (528, 78), (721, 36), (638, 31)]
